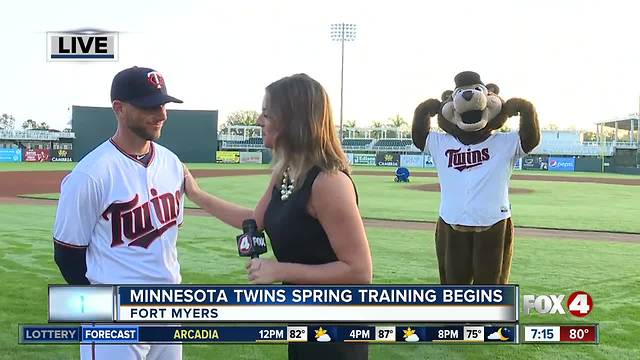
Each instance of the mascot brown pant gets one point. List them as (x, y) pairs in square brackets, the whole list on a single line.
[(474, 257)]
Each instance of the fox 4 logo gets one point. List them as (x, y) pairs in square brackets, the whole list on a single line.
[(579, 304)]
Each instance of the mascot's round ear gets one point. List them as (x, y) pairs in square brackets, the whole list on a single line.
[(446, 95), (493, 88)]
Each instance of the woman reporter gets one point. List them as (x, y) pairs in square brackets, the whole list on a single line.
[(309, 209)]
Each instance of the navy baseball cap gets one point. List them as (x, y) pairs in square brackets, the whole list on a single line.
[(141, 87)]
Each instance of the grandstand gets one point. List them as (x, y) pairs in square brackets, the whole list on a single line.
[(627, 124), (35, 145), (250, 143), (36, 139), (553, 142), (570, 142), (394, 145), (238, 137), (357, 144)]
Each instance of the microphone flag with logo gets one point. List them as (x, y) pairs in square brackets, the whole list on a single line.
[(251, 242)]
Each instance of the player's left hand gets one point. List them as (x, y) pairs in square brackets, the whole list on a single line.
[(262, 271)]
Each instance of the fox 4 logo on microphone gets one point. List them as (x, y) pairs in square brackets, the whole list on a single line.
[(249, 245), (579, 304)]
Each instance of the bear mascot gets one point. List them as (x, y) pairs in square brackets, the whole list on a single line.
[(474, 233)]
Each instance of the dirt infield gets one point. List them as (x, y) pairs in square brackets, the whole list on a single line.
[(31, 182), (597, 180), (15, 183), (532, 232), (38, 182)]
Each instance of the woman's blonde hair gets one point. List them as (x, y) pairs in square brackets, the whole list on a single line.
[(306, 134)]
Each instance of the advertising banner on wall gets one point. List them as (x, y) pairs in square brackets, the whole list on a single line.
[(428, 161), (412, 160), (251, 157), (535, 162), (228, 157), (518, 164), (36, 155), (10, 155), (61, 155), (350, 158), (562, 164), (364, 159), (387, 159)]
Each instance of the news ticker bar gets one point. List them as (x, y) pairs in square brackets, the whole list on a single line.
[(279, 303), (118, 333), (491, 334)]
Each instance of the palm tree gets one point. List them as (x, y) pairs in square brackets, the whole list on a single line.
[(349, 126), (377, 132), (397, 121)]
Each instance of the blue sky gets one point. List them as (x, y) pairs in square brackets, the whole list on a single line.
[(575, 60)]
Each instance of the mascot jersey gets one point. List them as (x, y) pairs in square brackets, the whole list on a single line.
[(474, 178)]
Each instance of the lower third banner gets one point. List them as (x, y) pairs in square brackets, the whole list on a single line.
[(284, 304)]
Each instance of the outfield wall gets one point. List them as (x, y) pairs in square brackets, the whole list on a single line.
[(190, 134), (621, 162)]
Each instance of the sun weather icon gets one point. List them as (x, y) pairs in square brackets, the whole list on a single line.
[(410, 335), (322, 336)]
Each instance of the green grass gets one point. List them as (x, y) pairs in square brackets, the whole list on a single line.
[(576, 174), (552, 204), (391, 171), (560, 205), (608, 271), (51, 166), (585, 206), (36, 166)]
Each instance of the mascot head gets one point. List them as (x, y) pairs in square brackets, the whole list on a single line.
[(470, 112), (471, 105)]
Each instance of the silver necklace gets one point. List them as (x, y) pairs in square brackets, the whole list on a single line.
[(288, 184)]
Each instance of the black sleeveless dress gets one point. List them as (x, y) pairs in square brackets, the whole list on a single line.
[(297, 237)]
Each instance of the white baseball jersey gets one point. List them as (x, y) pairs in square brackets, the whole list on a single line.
[(125, 213), (474, 179)]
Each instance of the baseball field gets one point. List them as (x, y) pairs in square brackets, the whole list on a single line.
[(576, 231)]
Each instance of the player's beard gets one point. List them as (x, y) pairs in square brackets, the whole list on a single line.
[(145, 133)]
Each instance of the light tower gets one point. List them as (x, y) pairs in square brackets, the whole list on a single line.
[(342, 32)]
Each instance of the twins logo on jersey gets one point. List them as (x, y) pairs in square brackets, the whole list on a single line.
[(134, 221), (468, 159)]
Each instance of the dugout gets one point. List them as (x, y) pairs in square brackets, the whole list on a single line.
[(190, 134)]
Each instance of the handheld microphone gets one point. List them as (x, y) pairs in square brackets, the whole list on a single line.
[(251, 242)]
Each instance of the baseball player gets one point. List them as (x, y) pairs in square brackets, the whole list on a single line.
[(120, 208)]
